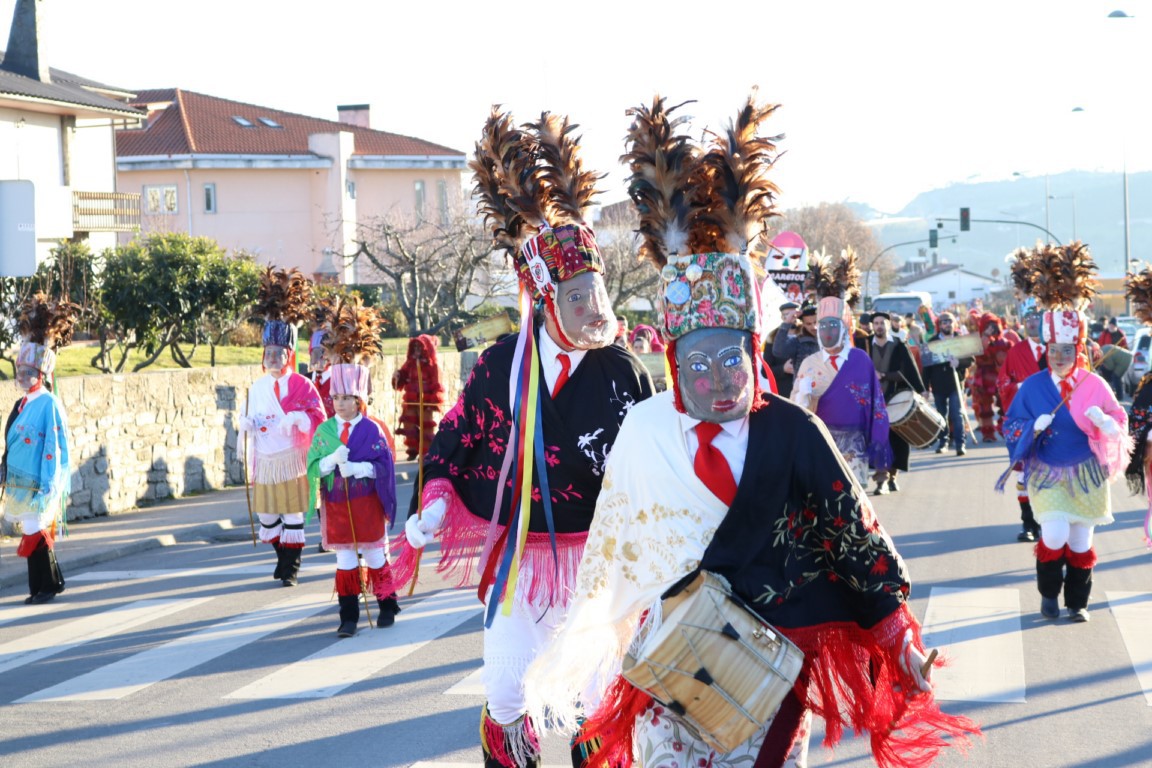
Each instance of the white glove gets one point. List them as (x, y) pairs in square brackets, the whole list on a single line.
[(421, 530), (912, 662), (360, 469), (293, 420), (805, 386), (329, 462), (1043, 421), (249, 424), (1095, 415)]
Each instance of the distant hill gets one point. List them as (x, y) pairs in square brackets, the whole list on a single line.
[(1099, 218)]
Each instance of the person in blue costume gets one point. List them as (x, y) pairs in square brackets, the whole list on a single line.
[(35, 470)]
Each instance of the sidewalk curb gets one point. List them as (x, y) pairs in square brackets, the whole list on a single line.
[(70, 562)]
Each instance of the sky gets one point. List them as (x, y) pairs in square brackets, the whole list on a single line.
[(880, 101)]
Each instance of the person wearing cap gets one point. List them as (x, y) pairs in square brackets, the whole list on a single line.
[(1069, 435), (701, 479), (862, 331), (897, 373), (781, 372), (1023, 360), (350, 466), (986, 403), (512, 476), (281, 413), (793, 344), (944, 374), (36, 471)]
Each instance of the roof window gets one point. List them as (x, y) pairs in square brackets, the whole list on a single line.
[(269, 122), (243, 121)]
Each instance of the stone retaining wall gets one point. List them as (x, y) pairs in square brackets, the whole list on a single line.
[(137, 438)]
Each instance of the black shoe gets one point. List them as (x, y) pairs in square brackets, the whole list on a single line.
[(321, 550), (1049, 607), (388, 610), (42, 597), (892, 486), (291, 581), (940, 448), (1080, 615), (347, 629), (961, 451), (1026, 535), (879, 490)]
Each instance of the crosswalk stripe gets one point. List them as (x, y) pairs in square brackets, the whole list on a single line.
[(10, 613), (353, 659), (1133, 612), (173, 573), (472, 685), (979, 631), (136, 672), (40, 645)]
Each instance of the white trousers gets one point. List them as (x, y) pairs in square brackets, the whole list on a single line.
[(1057, 533), (373, 558)]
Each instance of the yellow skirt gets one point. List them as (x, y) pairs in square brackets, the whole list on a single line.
[(286, 498), (1092, 507)]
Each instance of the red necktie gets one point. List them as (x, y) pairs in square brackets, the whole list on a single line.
[(23, 401), (710, 464), (565, 364), (276, 389), (344, 432), (1066, 388), (832, 360)]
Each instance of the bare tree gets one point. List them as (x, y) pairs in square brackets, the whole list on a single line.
[(626, 275), (436, 269)]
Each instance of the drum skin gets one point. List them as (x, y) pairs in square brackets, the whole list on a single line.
[(911, 416)]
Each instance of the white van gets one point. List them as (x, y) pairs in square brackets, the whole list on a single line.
[(901, 303)]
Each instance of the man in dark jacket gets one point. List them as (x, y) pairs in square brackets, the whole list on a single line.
[(792, 345), (944, 375), (898, 373), (781, 370)]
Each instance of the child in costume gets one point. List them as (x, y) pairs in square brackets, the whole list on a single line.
[(350, 463), (35, 472), (281, 412)]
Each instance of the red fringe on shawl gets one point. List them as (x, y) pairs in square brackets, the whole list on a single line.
[(462, 538), (1046, 555), (851, 677), (1082, 559)]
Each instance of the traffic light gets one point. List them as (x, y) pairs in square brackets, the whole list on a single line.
[(964, 220), (933, 238)]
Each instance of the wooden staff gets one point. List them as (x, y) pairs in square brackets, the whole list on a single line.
[(247, 491), (419, 467), (360, 570)]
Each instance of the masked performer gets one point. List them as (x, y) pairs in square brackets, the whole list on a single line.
[(282, 412), (985, 396), (419, 378), (1139, 288), (897, 372), (351, 465), (319, 366), (1069, 436), (35, 474), (840, 384), (701, 479), (513, 473)]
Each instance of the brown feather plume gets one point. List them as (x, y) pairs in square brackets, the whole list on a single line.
[(1138, 286), (1022, 267), (355, 336), (822, 279), (571, 188), (1065, 276), (47, 322), (738, 161), (847, 276), (504, 156), (284, 294), (324, 310), (663, 161)]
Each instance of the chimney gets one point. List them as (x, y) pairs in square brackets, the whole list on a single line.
[(354, 114), (24, 55)]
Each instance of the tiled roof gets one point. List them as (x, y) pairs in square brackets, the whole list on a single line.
[(65, 88), (194, 123)]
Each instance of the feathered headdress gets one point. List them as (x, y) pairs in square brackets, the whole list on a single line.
[(44, 326), (283, 300), (1022, 268), (1064, 276), (700, 209), (355, 342), (1138, 287)]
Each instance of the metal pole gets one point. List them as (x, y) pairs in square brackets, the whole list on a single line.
[(1127, 242)]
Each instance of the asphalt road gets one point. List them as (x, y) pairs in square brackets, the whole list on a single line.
[(192, 655)]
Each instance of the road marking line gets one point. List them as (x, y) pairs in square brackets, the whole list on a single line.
[(136, 672), (10, 613), (1133, 613), (979, 631), (172, 573), (473, 685), (350, 660), (50, 642)]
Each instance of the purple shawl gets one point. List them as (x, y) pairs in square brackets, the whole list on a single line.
[(854, 402)]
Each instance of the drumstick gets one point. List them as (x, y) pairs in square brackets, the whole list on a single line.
[(927, 665)]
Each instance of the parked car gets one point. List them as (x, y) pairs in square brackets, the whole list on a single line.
[(1141, 347)]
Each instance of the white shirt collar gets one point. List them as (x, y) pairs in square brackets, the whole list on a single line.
[(353, 422), (828, 355), (735, 428), (30, 396), (549, 349)]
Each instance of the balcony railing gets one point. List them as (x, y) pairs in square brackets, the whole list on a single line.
[(105, 211)]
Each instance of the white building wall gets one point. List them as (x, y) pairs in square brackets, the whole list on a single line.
[(953, 287)]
